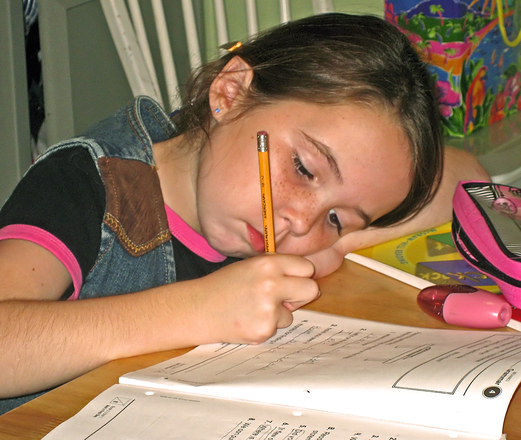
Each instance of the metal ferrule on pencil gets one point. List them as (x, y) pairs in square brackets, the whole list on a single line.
[(262, 141)]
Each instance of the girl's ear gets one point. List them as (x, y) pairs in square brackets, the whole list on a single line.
[(230, 85)]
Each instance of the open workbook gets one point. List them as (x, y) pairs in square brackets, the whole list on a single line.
[(324, 377)]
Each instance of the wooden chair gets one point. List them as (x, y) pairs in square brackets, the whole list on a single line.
[(130, 37)]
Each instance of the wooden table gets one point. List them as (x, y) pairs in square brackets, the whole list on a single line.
[(352, 291)]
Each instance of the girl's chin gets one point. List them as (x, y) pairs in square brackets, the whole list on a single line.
[(241, 250), (239, 254), (239, 247)]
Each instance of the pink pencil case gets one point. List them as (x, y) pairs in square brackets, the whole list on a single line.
[(486, 230)]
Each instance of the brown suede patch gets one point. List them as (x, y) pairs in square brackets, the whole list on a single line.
[(135, 208)]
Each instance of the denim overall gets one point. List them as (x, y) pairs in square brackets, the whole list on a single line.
[(136, 251)]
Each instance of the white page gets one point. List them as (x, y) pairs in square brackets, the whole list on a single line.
[(126, 412), (458, 380)]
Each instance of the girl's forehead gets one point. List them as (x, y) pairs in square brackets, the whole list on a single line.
[(338, 131)]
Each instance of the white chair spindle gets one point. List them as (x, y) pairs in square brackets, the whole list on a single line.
[(192, 38), (285, 12), (220, 21), (172, 84), (130, 53), (141, 35), (251, 17), (323, 6)]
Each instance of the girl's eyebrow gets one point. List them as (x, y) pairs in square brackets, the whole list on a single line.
[(365, 217), (326, 151)]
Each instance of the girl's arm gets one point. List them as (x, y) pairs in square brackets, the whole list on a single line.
[(47, 342), (459, 165)]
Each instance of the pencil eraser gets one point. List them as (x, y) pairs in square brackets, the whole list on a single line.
[(465, 306)]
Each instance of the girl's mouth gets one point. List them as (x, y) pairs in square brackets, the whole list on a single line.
[(256, 239)]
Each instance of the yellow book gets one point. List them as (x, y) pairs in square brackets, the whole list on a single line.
[(430, 256)]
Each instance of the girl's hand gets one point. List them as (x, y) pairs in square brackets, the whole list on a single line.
[(328, 260), (246, 302)]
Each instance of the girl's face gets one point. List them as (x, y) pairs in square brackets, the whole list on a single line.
[(334, 169)]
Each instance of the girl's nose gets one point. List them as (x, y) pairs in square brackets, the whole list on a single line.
[(298, 220)]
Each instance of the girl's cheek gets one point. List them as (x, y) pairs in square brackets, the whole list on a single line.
[(325, 240), (309, 244)]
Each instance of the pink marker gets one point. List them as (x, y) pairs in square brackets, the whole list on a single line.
[(465, 306)]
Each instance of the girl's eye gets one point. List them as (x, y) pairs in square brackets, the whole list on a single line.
[(334, 220), (300, 168)]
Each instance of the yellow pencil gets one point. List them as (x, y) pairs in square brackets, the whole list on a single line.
[(265, 184)]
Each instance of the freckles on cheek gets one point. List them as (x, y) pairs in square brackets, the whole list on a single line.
[(290, 194), (281, 189)]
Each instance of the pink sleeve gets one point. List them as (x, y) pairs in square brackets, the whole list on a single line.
[(52, 244)]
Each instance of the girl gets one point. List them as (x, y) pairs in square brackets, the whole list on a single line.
[(150, 227)]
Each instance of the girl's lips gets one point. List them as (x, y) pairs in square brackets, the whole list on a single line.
[(256, 239)]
